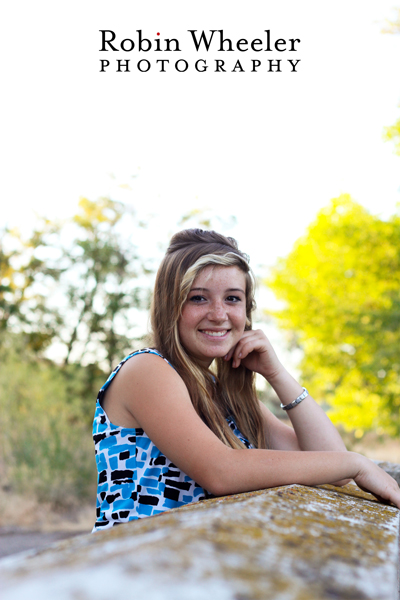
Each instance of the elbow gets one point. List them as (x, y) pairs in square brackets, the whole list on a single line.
[(217, 485), (224, 486), (219, 479)]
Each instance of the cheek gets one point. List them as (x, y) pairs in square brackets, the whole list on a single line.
[(239, 318), (185, 322), (241, 312)]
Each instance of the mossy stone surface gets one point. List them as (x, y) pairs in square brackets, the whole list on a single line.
[(292, 542)]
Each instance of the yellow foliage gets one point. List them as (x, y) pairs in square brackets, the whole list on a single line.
[(341, 288), (392, 134), (93, 213)]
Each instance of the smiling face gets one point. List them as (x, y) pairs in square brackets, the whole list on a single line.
[(214, 315)]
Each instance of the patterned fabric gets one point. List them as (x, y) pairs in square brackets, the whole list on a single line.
[(135, 479)]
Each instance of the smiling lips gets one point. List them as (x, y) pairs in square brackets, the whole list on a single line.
[(215, 333)]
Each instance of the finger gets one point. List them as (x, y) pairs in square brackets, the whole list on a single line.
[(232, 350), (246, 347), (242, 352), (391, 499), (396, 500)]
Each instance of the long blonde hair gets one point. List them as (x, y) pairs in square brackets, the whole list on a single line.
[(228, 391)]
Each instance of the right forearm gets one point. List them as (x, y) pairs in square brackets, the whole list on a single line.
[(246, 470), (257, 469)]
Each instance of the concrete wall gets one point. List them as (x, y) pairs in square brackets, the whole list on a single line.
[(293, 542)]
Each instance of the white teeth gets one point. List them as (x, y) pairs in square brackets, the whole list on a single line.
[(215, 333)]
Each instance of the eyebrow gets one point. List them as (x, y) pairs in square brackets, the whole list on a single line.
[(203, 289)]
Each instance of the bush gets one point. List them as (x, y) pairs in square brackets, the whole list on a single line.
[(45, 438)]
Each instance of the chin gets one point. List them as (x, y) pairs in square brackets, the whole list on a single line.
[(221, 354)]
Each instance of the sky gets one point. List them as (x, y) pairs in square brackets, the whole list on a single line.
[(268, 148)]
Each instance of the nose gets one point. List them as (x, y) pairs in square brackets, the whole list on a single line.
[(217, 311)]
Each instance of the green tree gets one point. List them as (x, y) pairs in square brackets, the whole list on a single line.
[(22, 286), (76, 283), (341, 291), (103, 282)]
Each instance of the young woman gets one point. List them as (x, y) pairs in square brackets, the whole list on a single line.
[(172, 422)]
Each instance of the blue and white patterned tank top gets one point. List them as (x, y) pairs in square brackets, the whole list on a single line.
[(135, 479)]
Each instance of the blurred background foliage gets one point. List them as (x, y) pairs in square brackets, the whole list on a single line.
[(73, 285), (341, 291), (67, 292), (45, 445)]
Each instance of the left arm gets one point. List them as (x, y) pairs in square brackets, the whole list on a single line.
[(312, 429)]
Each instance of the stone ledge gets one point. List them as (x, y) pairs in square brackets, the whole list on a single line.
[(292, 542)]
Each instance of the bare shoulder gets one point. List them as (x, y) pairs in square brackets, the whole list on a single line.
[(148, 369), (140, 383), (149, 394)]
